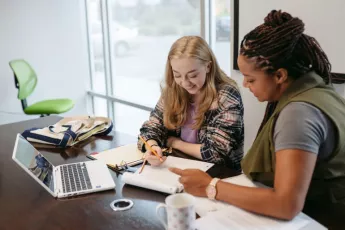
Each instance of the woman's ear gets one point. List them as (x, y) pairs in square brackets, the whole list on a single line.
[(208, 66), (281, 76)]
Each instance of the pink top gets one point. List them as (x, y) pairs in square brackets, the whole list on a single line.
[(188, 134)]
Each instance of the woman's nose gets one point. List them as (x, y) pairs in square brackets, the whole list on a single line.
[(185, 81), (245, 83)]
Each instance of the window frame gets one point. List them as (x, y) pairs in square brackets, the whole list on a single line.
[(207, 31)]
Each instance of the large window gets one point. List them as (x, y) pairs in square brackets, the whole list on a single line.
[(222, 25), (129, 42)]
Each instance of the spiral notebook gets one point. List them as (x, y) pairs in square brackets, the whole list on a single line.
[(160, 178), (124, 155)]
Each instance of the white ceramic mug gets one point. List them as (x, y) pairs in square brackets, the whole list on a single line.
[(180, 212)]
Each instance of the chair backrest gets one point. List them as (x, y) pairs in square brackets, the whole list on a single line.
[(25, 77)]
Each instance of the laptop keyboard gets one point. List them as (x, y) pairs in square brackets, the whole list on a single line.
[(75, 177)]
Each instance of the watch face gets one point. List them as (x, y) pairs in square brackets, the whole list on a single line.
[(211, 191)]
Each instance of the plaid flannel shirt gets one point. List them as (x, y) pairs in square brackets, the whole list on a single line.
[(221, 135)]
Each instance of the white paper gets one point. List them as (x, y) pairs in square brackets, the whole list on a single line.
[(160, 178), (236, 218), (241, 180), (221, 215), (205, 205), (183, 163)]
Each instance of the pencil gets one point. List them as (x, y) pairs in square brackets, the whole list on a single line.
[(149, 147), (142, 167)]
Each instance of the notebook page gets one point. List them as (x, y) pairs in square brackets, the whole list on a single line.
[(241, 180), (205, 205), (182, 163), (160, 178), (127, 153), (236, 218)]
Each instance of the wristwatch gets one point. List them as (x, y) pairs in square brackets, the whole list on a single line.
[(211, 189)]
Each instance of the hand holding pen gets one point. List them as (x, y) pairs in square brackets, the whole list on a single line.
[(153, 154)]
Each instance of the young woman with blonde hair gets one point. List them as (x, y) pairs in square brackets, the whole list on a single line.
[(200, 111)]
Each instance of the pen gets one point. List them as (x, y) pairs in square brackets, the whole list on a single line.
[(149, 147)]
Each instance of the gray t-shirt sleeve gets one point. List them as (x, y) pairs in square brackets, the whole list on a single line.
[(300, 126)]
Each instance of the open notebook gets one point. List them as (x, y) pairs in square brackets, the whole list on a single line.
[(160, 178), (124, 155), (205, 205), (219, 215), (236, 218)]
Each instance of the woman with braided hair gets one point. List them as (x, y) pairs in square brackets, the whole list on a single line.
[(299, 152)]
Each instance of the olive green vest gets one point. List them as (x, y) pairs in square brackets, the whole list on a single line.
[(329, 174)]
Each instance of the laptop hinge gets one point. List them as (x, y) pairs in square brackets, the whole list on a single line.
[(57, 190)]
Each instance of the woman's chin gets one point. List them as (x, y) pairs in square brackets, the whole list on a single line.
[(258, 98), (262, 99), (192, 90)]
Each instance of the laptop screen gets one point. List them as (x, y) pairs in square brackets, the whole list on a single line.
[(35, 162)]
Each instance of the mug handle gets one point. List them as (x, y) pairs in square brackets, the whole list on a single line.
[(160, 218)]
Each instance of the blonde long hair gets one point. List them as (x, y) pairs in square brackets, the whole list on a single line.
[(175, 98)]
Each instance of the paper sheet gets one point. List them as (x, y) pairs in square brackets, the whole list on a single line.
[(205, 205), (242, 180), (160, 178), (219, 215), (236, 218), (183, 163)]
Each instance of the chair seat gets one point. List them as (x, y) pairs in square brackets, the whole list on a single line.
[(55, 106)]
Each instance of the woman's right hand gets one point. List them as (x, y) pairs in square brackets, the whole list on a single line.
[(152, 158)]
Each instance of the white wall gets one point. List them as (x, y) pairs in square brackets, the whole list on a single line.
[(324, 21), (51, 36)]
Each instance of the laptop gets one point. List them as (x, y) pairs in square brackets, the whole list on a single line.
[(62, 180)]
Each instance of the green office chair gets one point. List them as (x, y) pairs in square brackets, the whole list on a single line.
[(25, 80)]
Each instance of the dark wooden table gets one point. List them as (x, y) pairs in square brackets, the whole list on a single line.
[(24, 204)]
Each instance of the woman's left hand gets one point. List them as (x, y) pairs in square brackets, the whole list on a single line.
[(194, 181), (172, 141)]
